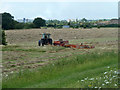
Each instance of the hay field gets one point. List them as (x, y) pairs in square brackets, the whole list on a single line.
[(25, 64), (33, 35)]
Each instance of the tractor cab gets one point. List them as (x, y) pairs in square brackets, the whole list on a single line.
[(45, 40), (45, 35)]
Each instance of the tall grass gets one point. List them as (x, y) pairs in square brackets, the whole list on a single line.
[(63, 72)]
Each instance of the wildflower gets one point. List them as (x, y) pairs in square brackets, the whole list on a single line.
[(108, 67), (114, 76), (105, 72), (110, 79), (115, 72), (82, 80), (91, 79), (11, 72), (95, 87), (6, 75), (107, 82), (103, 84), (89, 85), (115, 84), (106, 76), (86, 78)]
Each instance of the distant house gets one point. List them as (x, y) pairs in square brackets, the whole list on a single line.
[(103, 22), (114, 21), (24, 20), (66, 26)]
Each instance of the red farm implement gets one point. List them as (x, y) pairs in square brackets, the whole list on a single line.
[(66, 44)]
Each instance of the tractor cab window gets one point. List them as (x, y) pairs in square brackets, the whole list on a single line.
[(45, 37), (48, 35)]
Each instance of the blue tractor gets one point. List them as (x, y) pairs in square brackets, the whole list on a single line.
[(45, 40)]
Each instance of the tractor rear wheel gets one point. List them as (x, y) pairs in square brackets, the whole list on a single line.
[(42, 44), (50, 41)]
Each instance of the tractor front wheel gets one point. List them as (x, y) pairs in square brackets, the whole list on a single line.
[(39, 43)]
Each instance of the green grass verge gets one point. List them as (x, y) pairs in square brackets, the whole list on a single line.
[(64, 72)]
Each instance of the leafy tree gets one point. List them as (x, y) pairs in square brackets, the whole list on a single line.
[(3, 38), (55, 26), (28, 25), (50, 25), (59, 26), (69, 23), (7, 21), (84, 20), (84, 26), (39, 22), (19, 26), (98, 26), (0, 37)]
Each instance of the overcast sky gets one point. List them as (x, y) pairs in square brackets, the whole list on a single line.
[(61, 10)]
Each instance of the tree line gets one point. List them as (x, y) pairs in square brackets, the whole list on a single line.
[(8, 22)]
